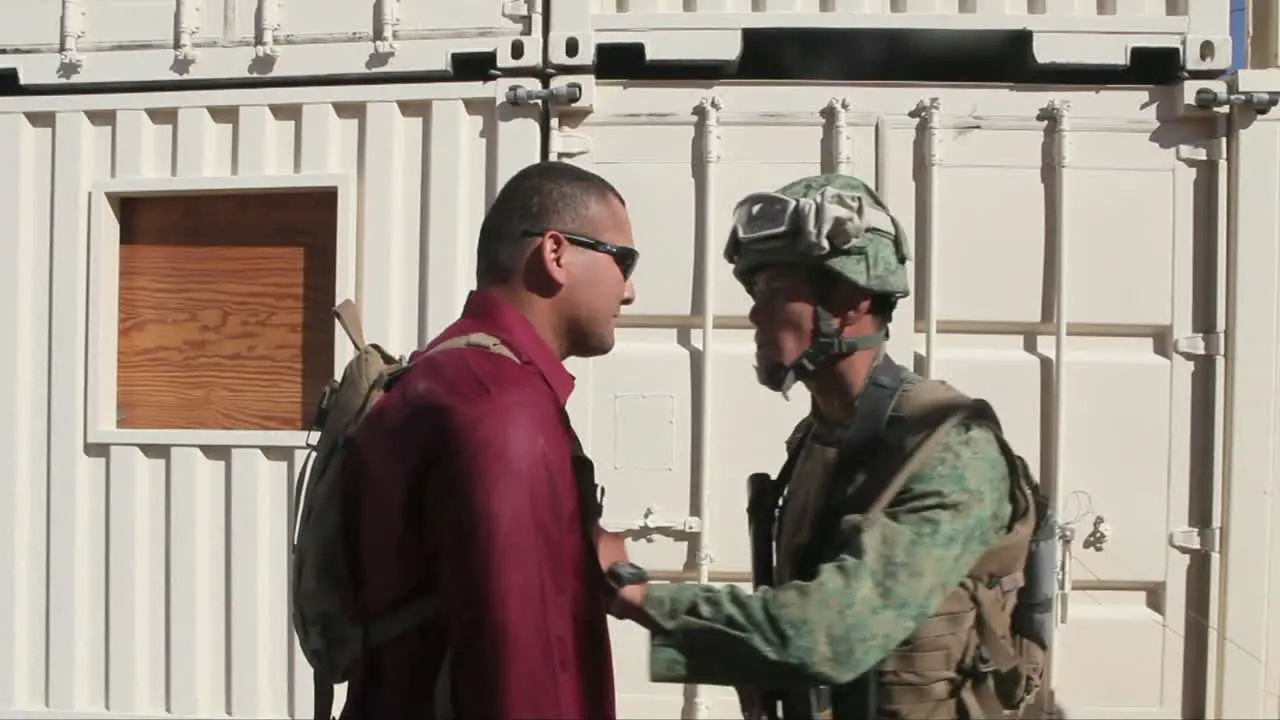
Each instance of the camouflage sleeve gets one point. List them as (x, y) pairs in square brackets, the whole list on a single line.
[(860, 606)]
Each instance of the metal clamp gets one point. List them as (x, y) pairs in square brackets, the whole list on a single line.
[(1259, 102), (567, 93)]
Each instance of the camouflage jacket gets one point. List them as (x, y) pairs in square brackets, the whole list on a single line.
[(871, 589)]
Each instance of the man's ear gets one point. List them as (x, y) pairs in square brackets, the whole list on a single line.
[(553, 251), (855, 306)]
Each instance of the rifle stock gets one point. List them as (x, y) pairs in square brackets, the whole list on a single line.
[(762, 504)]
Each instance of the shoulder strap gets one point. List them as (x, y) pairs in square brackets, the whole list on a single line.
[(882, 395), (478, 340), (474, 340), (884, 386), (884, 389), (885, 383), (913, 464), (348, 317)]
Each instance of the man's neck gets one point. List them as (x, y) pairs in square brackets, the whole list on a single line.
[(835, 390), (538, 312)]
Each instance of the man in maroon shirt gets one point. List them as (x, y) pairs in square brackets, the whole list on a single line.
[(460, 481)]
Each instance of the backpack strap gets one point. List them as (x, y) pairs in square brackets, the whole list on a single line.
[(478, 340), (348, 317), (913, 464), (884, 385)]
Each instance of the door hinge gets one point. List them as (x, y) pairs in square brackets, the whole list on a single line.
[(1196, 540), (566, 144), (568, 94), (1259, 102), (1210, 344)]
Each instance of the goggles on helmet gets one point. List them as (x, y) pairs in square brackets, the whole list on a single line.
[(762, 215), (809, 221)]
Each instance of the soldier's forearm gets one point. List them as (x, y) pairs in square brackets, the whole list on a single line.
[(723, 636), (860, 606)]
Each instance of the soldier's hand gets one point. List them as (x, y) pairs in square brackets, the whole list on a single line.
[(628, 603)]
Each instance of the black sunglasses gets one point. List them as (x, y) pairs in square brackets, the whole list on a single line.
[(624, 257)]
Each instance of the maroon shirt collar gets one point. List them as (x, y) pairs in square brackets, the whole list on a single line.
[(491, 311)]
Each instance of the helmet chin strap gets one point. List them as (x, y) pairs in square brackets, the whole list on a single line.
[(827, 343)]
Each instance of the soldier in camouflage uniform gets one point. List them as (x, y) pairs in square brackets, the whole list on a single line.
[(898, 568)]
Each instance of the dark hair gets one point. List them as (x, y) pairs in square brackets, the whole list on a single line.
[(827, 283), (545, 195)]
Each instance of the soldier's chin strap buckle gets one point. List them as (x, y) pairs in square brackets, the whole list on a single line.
[(827, 343)]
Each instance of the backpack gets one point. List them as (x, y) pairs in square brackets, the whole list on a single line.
[(331, 640)]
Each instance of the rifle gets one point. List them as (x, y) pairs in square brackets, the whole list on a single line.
[(762, 503)]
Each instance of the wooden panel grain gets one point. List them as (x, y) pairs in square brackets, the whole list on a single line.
[(225, 309)]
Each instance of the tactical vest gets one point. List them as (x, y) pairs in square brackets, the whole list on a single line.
[(982, 652)]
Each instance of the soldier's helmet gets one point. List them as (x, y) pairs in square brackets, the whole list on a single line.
[(837, 222)]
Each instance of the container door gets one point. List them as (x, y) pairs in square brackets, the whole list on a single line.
[(1048, 224), (1248, 675), (168, 268)]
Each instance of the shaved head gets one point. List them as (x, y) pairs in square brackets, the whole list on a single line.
[(545, 195)]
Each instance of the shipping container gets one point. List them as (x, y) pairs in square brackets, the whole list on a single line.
[(1020, 200), (144, 562), (1102, 263), (1097, 33), (77, 42), (146, 567), (1246, 680)]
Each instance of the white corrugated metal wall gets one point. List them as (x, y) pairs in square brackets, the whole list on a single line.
[(147, 567), (147, 574)]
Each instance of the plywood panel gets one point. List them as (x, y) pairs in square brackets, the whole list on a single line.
[(224, 309)]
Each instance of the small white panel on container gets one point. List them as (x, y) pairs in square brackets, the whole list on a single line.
[(644, 431)]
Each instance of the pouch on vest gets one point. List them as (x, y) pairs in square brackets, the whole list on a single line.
[(331, 640), (1032, 622), (1014, 620)]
